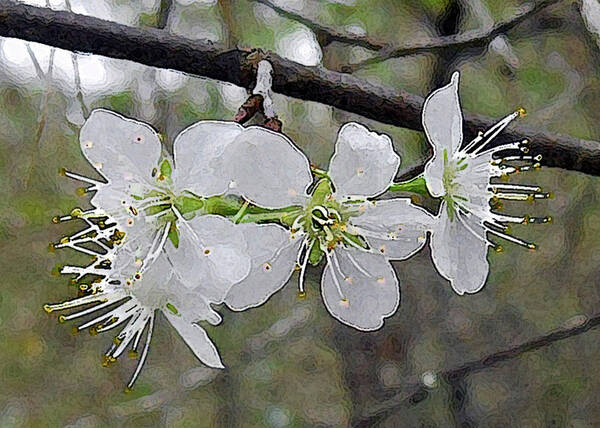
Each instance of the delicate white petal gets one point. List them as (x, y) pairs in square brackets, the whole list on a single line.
[(274, 254), (364, 162), (152, 288), (459, 252), (443, 122), (211, 257), (368, 285), (394, 227), (200, 164), (197, 339), (120, 149), (268, 169)]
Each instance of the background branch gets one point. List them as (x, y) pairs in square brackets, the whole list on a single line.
[(160, 49), (420, 392)]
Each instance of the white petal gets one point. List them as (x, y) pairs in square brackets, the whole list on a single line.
[(458, 254), (274, 254), (211, 257), (364, 163), (268, 169), (394, 227), (197, 339), (119, 148), (152, 289), (199, 160), (368, 285), (190, 304), (443, 122)]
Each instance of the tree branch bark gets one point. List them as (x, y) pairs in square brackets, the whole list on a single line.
[(420, 392), (158, 48)]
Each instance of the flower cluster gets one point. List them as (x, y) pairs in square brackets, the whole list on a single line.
[(236, 211)]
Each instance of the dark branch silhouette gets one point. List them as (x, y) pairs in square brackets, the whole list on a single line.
[(420, 392), (158, 48), (324, 33), (475, 38)]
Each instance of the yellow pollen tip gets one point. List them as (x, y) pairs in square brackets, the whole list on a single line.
[(549, 219), (64, 240), (83, 287), (301, 294), (76, 212), (127, 390), (93, 331), (56, 219), (161, 177), (51, 247), (207, 252), (62, 319), (132, 354), (522, 112), (62, 172), (48, 308), (74, 330), (532, 247), (297, 267), (117, 341), (81, 191), (499, 249)]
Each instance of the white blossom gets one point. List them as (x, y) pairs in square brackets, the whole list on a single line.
[(154, 243), (356, 236), (471, 181)]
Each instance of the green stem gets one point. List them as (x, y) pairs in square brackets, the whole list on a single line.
[(416, 185), (236, 218), (320, 173)]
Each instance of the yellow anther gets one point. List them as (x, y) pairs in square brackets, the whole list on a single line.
[(526, 219), (117, 341), (83, 287), (76, 212), (297, 267), (51, 247), (74, 330), (56, 219), (93, 331), (207, 252), (81, 191), (301, 294), (132, 354), (127, 390), (62, 319), (522, 112), (499, 249), (161, 177), (138, 276), (48, 308), (64, 240), (62, 172), (549, 219), (532, 246)]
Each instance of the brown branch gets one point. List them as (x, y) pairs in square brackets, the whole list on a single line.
[(420, 392), (158, 48)]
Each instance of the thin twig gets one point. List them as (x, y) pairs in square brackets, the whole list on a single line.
[(480, 37), (160, 49), (324, 33), (420, 392), (76, 74)]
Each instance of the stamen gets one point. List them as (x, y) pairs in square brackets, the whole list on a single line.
[(79, 177), (100, 297), (513, 239), (491, 133), (306, 248), (144, 352), (358, 266), (333, 261)]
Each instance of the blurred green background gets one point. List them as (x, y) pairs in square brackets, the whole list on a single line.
[(288, 362)]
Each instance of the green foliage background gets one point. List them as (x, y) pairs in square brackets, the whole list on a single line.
[(288, 362)]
